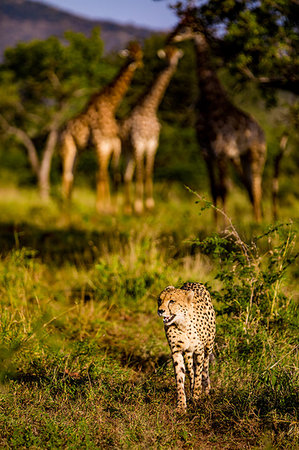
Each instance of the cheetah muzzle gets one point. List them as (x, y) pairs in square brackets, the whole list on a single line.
[(167, 320), (189, 323)]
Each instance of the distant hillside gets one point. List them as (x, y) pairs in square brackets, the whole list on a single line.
[(23, 20)]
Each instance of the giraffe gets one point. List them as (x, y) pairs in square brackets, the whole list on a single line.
[(225, 133), (98, 122), (140, 132)]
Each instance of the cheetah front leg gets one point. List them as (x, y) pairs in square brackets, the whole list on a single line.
[(179, 371), (198, 366), (188, 357)]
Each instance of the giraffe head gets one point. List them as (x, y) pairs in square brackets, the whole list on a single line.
[(189, 27), (171, 54), (134, 53)]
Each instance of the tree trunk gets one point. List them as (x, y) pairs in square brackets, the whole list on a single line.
[(41, 169), (45, 166)]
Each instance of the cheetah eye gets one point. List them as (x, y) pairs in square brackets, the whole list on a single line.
[(171, 302)]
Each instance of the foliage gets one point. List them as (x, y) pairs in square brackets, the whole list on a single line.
[(259, 39), (48, 72), (44, 83), (251, 281), (252, 274)]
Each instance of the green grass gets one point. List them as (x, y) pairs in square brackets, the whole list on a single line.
[(84, 359)]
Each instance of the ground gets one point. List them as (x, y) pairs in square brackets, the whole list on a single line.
[(85, 363)]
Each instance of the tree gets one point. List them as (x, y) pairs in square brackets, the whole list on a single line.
[(258, 39), (43, 83)]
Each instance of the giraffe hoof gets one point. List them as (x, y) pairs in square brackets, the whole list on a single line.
[(105, 210), (149, 203), (128, 210), (138, 206)]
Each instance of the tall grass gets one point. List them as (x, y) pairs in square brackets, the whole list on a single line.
[(84, 359)]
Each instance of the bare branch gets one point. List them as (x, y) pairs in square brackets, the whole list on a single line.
[(26, 141), (234, 232), (277, 362), (288, 84)]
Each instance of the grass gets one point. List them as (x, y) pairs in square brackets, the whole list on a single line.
[(84, 359)]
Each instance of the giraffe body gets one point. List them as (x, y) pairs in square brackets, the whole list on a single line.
[(140, 136), (98, 124), (225, 133)]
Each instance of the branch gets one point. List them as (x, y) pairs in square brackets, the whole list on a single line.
[(25, 139), (234, 232), (58, 118), (277, 362), (286, 84)]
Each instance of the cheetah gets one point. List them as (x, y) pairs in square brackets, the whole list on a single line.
[(189, 322)]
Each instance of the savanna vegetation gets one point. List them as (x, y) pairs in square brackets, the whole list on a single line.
[(84, 362)]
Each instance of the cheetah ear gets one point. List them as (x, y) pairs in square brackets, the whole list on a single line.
[(169, 288), (190, 296)]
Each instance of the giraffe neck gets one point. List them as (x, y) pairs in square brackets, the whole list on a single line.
[(211, 89), (153, 98), (116, 90)]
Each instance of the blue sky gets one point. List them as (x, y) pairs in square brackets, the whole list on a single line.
[(153, 14)]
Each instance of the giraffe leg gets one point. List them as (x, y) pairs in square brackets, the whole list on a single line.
[(128, 176), (257, 169), (103, 202), (69, 152), (253, 182), (149, 167), (139, 158), (115, 162), (257, 196)]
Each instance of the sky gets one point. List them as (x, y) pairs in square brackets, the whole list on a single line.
[(150, 13)]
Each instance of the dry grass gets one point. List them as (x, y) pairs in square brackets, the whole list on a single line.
[(85, 363)]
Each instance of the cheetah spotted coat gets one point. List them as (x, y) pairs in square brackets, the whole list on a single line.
[(189, 322)]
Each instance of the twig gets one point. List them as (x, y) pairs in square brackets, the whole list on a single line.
[(234, 231), (50, 321), (277, 362)]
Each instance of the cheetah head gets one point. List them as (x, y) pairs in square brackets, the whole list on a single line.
[(174, 305)]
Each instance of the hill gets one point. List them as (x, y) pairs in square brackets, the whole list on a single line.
[(23, 20)]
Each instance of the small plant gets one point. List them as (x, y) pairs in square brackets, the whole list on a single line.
[(251, 274)]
